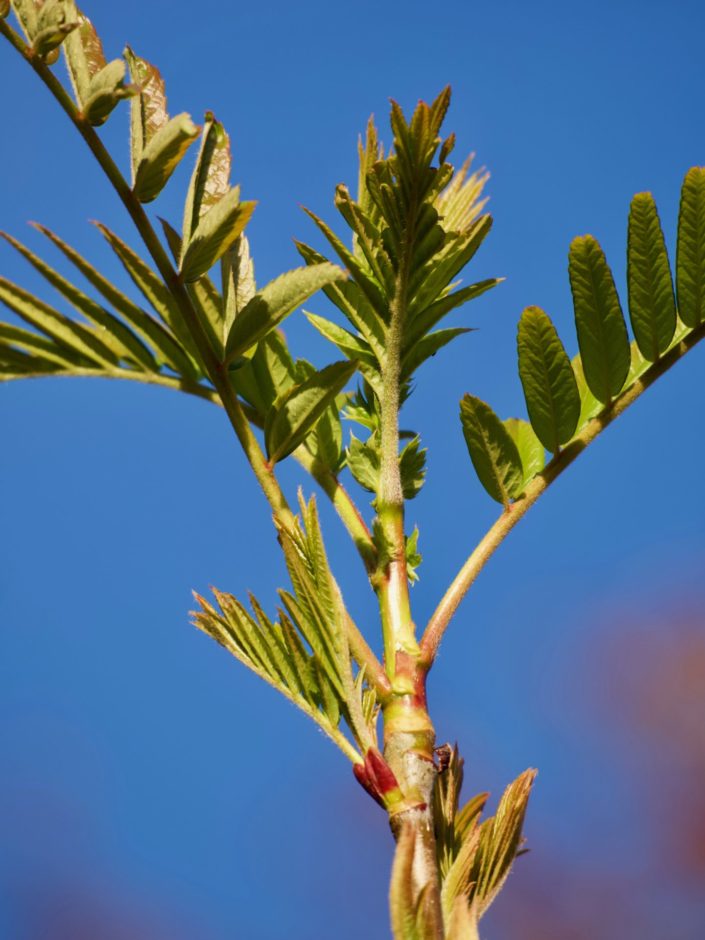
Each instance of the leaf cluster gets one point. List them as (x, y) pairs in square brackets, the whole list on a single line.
[(563, 396)]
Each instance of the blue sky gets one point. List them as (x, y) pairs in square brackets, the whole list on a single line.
[(142, 767)]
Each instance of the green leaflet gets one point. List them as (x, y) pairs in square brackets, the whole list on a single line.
[(156, 294), (551, 393), (166, 347), (162, 154), (364, 462), (210, 180), (602, 333), (148, 112), (354, 347), (426, 319), (267, 375), (26, 13), (427, 347), (39, 347), (106, 90), (74, 337), (292, 417), (531, 450), (121, 341), (274, 302), (221, 225), (690, 254), (492, 451), (412, 467), (652, 307)]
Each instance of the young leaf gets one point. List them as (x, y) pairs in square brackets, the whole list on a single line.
[(500, 840), (54, 23), (221, 225), (294, 416), (364, 462), (120, 339), (412, 467), (148, 112), (210, 180), (84, 54), (74, 337), (167, 348), (652, 307), (162, 154), (274, 302), (492, 451), (238, 277), (602, 334), (106, 90), (690, 254), (551, 394), (531, 450)]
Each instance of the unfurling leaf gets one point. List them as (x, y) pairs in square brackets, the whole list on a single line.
[(551, 393), (217, 230), (500, 840), (293, 417), (161, 155), (238, 277), (602, 333), (84, 55), (210, 180), (690, 255), (652, 307), (492, 450), (462, 924), (274, 302), (106, 90), (148, 112), (54, 23)]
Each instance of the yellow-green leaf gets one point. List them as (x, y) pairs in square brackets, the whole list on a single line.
[(602, 333), (217, 230), (652, 307), (492, 450), (690, 256), (294, 416), (551, 394), (161, 156)]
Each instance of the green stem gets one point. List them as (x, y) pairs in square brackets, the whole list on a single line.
[(489, 544)]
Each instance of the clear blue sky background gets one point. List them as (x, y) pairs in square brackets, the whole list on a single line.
[(143, 768)]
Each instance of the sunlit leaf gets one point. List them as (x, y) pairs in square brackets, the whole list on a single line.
[(492, 450), (690, 259)]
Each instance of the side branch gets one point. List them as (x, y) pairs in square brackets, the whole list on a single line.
[(465, 578)]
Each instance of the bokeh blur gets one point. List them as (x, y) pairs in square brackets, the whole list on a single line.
[(150, 788)]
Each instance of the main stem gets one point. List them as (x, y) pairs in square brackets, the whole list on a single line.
[(409, 736)]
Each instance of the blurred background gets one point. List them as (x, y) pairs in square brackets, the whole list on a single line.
[(150, 788)]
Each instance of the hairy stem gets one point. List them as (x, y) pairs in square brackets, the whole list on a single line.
[(494, 537)]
